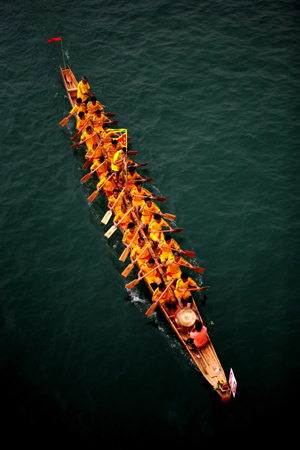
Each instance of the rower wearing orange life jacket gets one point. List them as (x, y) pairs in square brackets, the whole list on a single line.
[(138, 195), (89, 136), (165, 249), (84, 90), (112, 148), (100, 165), (116, 200), (93, 105), (131, 236), (155, 228), (140, 252), (123, 217), (173, 266), (166, 298), (147, 211), (153, 278), (83, 121), (98, 120), (182, 292), (132, 177), (108, 184), (77, 108)]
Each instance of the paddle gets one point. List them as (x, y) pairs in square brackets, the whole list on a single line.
[(80, 143), (160, 199), (137, 280), (198, 269), (106, 217), (114, 227), (130, 266), (154, 305), (64, 121), (184, 252), (88, 175), (96, 192), (126, 252), (80, 130), (165, 215)]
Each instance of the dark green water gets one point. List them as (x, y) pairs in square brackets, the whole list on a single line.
[(209, 92)]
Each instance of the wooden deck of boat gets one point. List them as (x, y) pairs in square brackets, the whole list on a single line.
[(205, 358)]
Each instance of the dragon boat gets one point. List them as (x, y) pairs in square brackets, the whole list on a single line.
[(205, 358)]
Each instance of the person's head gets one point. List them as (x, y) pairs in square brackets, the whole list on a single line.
[(138, 185), (172, 300), (98, 112), (184, 276), (93, 99), (89, 130), (123, 207), (131, 169), (101, 159), (151, 262), (84, 80), (79, 101), (131, 225), (141, 241), (81, 115), (168, 238), (113, 141), (162, 286), (157, 218), (176, 256), (116, 193), (198, 326)]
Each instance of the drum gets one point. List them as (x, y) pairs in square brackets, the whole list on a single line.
[(186, 317)]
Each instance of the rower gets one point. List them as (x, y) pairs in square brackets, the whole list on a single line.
[(132, 177), (77, 108), (100, 165), (118, 161), (98, 120), (94, 105), (138, 195), (153, 278), (138, 249), (109, 184), (168, 301), (83, 121), (155, 227), (90, 137), (164, 252), (116, 200), (147, 211), (112, 148), (182, 292), (121, 220), (173, 264), (84, 90), (130, 234)]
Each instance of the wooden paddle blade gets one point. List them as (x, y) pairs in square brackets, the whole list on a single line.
[(124, 255), (198, 269), (109, 114), (175, 230), (86, 164), (106, 217), (132, 152), (204, 288), (132, 284), (76, 145), (127, 271), (188, 253), (142, 165), (160, 199), (110, 231), (169, 216), (75, 136), (86, 177), (151, 309), (64, 121), (147, 180), (114, 122), (93, 196)]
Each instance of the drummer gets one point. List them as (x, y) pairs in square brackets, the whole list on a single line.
[(198, 336), (182, 292)]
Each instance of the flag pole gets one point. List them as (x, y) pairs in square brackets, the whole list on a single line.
[(63, 55)]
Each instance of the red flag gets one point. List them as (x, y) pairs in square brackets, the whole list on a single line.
[(54, 39), (122, 139)]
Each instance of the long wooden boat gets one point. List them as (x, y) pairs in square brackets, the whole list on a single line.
[(205, 358)]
